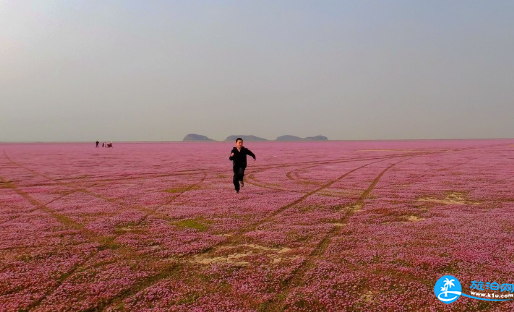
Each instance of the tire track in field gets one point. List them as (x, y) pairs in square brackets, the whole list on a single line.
[(144, 176), (61, 218), (104, 241), (414, 153), (115, 201), (148, 212), (457, 165), (99, 180), (237, 238), (149, 281), (297, 277), (89, 235), (146, 282), (171, 271), (299, 179), (165, 217), (168, 271), (45, 204), (232, 240), (298, 274), (307, 165), (284, 208)]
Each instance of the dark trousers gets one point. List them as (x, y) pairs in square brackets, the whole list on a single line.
[(238, 176)]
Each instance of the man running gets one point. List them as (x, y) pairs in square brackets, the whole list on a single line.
[(238, 157)]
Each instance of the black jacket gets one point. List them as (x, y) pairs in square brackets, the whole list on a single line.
[(239, 157)]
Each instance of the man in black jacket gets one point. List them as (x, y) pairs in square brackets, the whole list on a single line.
[(238, 157)]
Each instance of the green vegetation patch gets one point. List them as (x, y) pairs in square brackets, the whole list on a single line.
[(180, 189), (200, 225)]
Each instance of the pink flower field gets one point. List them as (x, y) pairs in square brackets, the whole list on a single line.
[(318, 226)]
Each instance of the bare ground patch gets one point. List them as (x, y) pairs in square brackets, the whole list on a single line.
[(237, 254), (414, 219), (453, 198)]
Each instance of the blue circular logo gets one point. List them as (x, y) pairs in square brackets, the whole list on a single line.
[(447, 289)]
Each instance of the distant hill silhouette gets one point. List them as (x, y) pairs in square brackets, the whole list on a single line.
[(288, 137), (196, 137), (295, 138), (316, 138), (232, 138)]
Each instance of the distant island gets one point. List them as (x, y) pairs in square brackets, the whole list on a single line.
[(295, 138), (196, 137), (232, 138), (252, 138)]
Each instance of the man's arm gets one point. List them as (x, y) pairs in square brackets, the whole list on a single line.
[(249, 152)]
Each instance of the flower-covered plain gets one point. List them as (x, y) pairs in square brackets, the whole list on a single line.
[(318, 226)]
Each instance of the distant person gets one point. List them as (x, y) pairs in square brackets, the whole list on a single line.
[(97, 143), (109, 144), (238, 157), (103, 144)]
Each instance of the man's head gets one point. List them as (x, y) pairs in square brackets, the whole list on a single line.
[(239, 142)]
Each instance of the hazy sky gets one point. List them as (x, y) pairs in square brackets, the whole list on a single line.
[(158, 70)]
